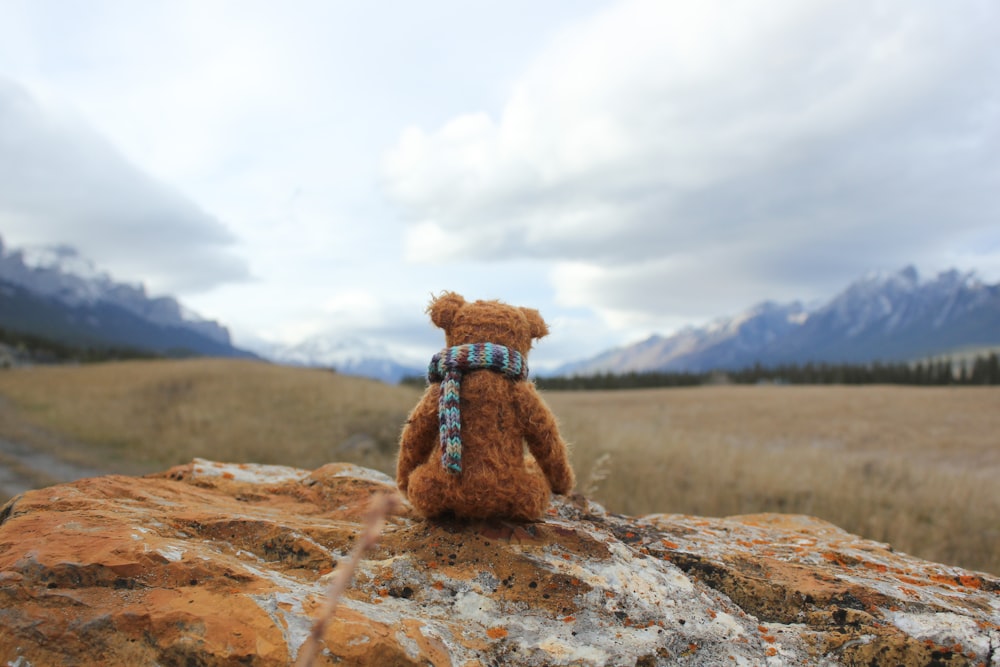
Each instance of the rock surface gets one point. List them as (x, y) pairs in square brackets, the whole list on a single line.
[(219, 564)]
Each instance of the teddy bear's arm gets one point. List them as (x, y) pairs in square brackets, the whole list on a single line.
[(418, 438), (544, 442)]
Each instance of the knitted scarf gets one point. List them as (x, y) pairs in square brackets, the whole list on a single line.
[(447, 367)]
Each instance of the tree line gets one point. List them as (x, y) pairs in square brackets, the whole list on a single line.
[(983, 370), (42, 350)]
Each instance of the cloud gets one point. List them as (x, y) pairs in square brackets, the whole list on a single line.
[(743, 146), (60, 179)]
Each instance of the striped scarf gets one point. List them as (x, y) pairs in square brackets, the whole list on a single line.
[(447, 367)]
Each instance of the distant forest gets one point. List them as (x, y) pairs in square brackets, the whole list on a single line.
[(40, 350), (983, 370)]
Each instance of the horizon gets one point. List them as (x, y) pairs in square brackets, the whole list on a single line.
[(628, 168), (51, 257)]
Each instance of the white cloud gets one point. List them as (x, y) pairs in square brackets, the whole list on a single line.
[(742, 147), (661, 295), (59, 179)]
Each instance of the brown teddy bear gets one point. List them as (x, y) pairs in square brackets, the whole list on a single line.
[(462, 449)]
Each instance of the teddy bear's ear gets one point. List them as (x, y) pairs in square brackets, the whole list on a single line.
[(538, 326), (444, 307)]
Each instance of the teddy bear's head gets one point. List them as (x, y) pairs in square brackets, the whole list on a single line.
[(486, 322)]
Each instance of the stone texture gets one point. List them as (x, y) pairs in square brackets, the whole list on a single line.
[(218, 564)]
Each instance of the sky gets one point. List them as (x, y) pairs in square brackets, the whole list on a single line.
[(322, 168)]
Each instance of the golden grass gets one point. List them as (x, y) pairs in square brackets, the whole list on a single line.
[(145, 415), (916, 467)]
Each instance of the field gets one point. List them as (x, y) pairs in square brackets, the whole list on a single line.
[(915, 467)]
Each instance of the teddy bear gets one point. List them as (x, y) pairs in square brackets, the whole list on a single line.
[(462, 450)]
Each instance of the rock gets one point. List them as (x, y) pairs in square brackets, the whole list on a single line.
[(224, 564)]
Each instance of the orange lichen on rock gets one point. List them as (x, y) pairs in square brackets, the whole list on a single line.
[(219, 564)]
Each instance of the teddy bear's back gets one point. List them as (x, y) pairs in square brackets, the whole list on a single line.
[(492, 431)]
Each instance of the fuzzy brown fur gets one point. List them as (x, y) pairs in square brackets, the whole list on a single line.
[(499, 416)]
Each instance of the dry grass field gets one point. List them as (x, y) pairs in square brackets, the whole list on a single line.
[(141, 416), (916, 467)]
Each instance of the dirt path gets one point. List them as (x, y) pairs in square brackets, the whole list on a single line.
[(23, 467), (28, 458)]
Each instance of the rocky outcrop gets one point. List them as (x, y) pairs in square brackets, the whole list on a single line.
[(218, 564)]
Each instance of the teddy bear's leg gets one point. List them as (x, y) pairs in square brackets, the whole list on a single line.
[(523, 498), (518, 495), (427, 494)]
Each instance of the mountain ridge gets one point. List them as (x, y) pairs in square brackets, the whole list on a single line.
[(879, 317), (54, 292)]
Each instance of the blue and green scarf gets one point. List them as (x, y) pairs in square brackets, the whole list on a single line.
[(447, 367)]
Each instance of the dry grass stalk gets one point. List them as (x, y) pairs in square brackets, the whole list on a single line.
[(599, 472), (381, 507)]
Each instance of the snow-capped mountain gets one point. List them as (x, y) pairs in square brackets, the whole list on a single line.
[(62, 273), (897, 317), (882, 316), (721, 344), (348, 355), (53, 291)]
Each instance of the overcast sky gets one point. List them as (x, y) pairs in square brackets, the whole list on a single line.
[(294, 168)]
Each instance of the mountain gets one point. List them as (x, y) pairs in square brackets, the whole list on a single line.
[(350, 356), (881, 317), (56, 293), (723, 343), (896, 317)]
